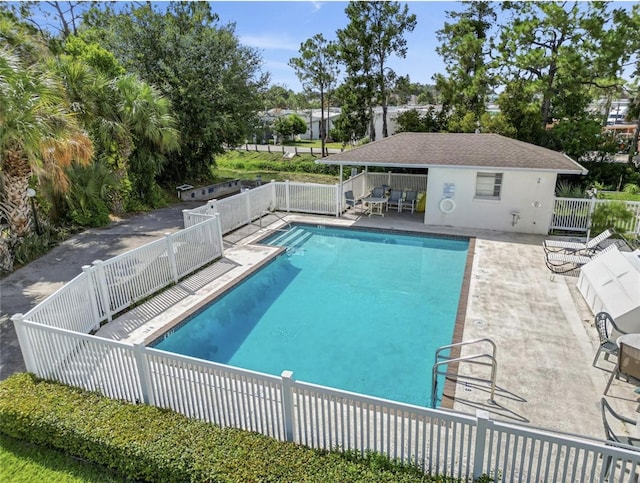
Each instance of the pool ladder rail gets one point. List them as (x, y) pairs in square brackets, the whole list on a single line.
[(287, 224), (480, 359)]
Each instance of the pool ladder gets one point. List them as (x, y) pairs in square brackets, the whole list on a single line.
[(480, 359), (286, 223)]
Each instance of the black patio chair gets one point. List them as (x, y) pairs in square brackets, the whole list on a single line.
[(608, 416), (606, 328), (350, 201)]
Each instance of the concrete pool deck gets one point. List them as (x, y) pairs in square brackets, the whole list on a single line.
[(542, 327)]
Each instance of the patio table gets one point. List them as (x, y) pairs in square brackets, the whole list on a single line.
[(375, 205), (632, 340)]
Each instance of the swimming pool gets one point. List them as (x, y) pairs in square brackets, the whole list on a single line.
[(357, 310)]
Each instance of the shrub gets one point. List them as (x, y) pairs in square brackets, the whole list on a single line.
[(153, 444), (612, 214), (565, 189), (632, 189)]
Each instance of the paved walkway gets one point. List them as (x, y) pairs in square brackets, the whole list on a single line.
[(28, 286)]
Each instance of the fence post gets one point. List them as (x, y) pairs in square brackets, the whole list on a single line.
[(248, 205), (139, 353), (212, 207), (24, 341), (220, 240), (103, 288), (185, 218), (86, 269), (172, 257), (482, 424), (338, 199), (592, 207), (287, 195), (273, 204), (287, 403)]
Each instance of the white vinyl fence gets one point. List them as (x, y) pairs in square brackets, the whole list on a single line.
[(107, 287), (243, 208), (416, 182), (288, 149), (574, 214), (321, 199), (55, 345), (439, 442)]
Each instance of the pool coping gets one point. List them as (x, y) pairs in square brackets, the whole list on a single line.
[(448, 394), (220, 291), (450, 385), (153, 330)]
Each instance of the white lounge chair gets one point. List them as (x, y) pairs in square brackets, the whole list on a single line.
[(565, 246), (559, 262)]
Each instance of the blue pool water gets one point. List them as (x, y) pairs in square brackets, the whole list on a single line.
[(355, 310)]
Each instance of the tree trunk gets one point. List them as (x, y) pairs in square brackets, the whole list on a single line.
[(634, 141), (20, 216), (546, 99), (322, 126), (17, 172), (385, 132), (372, 125), (6, 258)]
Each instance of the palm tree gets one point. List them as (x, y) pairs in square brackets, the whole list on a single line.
[(129, 121), (147, 116), (39, 135)]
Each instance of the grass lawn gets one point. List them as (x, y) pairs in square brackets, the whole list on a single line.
[(277, 176), (25, 462), (621, 196), (249, 165)]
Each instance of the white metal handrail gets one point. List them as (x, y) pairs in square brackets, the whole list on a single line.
[(466, 342), (441, 360), (286, 223), (473, 359)]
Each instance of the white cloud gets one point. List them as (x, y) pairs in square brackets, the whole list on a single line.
[(268, 41), (316, 6)]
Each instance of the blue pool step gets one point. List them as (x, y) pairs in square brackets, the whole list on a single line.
[(296, 244), (288, 238)]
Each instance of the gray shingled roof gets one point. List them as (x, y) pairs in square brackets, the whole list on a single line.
[(428, 150)]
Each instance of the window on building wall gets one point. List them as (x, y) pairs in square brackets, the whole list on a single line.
[(489, 185)]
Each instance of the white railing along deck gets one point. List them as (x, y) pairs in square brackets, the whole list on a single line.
[(439, 442), (417, 182), (575, 214), (112, 285)]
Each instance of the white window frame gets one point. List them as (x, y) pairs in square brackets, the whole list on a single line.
[(488, 185)]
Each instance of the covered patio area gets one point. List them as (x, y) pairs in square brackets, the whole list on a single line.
[(477, 181)]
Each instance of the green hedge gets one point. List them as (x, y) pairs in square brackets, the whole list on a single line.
[(151, 444)]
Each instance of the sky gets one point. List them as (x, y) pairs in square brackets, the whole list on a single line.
[(278, 28)]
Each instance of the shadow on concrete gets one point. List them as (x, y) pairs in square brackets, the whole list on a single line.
[(29, 285)]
